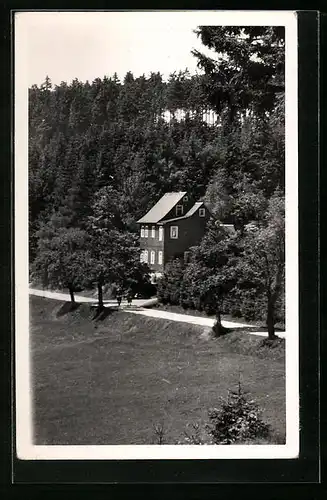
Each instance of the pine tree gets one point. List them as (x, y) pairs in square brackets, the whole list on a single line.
[(246, 70)]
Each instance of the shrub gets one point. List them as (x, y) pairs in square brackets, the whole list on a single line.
[(195, 434), (159, 433), (238, 420)]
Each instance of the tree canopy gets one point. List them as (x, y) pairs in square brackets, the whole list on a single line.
[(246, 70)]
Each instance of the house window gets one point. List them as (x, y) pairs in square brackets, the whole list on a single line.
[(142, 231), (160, 257), (153, 256), (146, 232), (174, 232), (179, 210), (185, 199), (202, 212), (160, 233), (145, 256), (153, 232)]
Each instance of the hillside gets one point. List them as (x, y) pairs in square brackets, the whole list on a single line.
[(110, 380)]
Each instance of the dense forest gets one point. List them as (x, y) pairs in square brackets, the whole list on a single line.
[(101, 153)]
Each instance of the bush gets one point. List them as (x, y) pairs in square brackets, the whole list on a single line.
[(195, 434), (239, 420)]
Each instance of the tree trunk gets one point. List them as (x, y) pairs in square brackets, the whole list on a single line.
[(218, 328), (72, 296), (100, 296), (271, 319)]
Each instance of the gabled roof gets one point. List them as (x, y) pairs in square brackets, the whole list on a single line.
[(192, 211), (162, 207)]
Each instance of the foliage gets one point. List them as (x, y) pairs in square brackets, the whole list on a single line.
[(195, 434), (101, 153), (260, 266), (62, 257), (246, 70), (87, 136), (169, 285), (235, 272), (237, 421), (208, 276), (114, 256), (253, 167)]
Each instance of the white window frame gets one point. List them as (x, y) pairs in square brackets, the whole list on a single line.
[(153, 231), (142, 231), (146, 232), (202, 212), (146, 256), (160, 257), (160, 233), (181, 210), (171, 232), (152, 257), (185, 199)]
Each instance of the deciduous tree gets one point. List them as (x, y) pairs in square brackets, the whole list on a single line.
[(261, 264), (62, 257)]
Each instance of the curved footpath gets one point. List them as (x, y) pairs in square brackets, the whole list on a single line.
[(139, 307)]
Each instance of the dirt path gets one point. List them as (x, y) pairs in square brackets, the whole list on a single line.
[(138, 307)]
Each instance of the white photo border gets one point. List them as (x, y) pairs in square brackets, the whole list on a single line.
[(25, 448)]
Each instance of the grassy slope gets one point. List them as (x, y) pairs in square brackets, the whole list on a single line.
[(227, 317), (109, 381)]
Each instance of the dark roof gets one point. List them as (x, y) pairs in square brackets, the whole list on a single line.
[(192, 211), (162, 207)]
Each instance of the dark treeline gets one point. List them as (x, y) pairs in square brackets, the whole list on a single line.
[(110, 148)]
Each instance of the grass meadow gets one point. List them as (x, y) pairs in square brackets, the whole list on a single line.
[(111, 379)]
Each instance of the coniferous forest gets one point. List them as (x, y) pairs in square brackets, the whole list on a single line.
[(102, 153)]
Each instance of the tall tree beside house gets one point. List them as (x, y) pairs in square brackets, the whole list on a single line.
[(101, 228), (261, 263), (131, 275), (209, 277), (113, 254)]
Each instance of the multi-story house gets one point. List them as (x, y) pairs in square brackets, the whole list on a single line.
[(170, 228)]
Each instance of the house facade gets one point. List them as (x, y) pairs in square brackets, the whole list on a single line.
[(174, 224)]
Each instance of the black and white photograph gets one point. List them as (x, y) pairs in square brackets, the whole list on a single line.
[(156, 235)]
